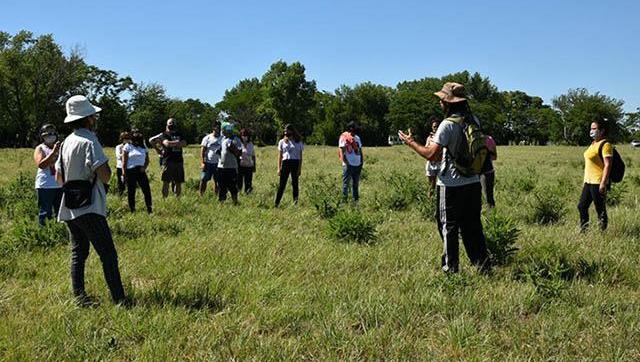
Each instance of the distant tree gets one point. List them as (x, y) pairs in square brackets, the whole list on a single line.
[(149, 108), (289, 96), (36, 77), (412, 104), (577, 109), (194, 117)]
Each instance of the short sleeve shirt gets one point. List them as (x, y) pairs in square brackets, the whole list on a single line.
[(119, 156), (593, 164), (137, 155), (449, 137), (227, 158), (354, 159), (172, 154), (246, 160), (212, 146), (82, 154), (290, 149)]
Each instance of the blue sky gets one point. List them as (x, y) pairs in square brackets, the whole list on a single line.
[(197, 49)]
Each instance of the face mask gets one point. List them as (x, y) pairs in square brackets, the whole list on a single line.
[(594, 133), (127, 141), (50, 139), (245, 138)]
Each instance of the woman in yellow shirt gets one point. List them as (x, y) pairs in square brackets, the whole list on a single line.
[(597, 167)]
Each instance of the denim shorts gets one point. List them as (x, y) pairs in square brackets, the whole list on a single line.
[(210, 171)]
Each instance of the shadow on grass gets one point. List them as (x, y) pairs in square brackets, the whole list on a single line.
[(195, 298)]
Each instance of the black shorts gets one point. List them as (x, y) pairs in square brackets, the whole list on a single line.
[(173, 172)]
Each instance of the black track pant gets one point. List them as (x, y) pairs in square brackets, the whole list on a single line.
[(459, 212), (289, 167), (138, 177), (227, 181), (591, 193)]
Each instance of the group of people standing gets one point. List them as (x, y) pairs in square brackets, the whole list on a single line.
[(73, 175)]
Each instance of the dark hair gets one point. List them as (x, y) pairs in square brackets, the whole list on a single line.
[(80, 123), (294, 133), (460, 109), (245, 132), (137, 139), (124, 136), (603, 125), (353, 126), (434, 119)]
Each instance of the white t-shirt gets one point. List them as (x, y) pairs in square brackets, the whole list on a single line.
[(246, 159), (449, 136), (291, 150), (119, 156), (46, 178), (354, 159), (212, 145), (227, 158), (137, 155), (82, 154)]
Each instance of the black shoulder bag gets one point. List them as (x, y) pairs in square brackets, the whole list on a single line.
[(77, 193)]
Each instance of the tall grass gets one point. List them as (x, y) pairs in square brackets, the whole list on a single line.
[(325, 281)]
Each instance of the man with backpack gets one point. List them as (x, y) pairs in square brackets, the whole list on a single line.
[(459, 192), (602, 166)]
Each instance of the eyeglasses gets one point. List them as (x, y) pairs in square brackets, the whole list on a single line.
[(49, 134)]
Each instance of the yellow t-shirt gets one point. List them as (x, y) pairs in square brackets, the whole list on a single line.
[(593, 164)]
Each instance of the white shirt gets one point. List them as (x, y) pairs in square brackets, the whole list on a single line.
[(212, 145), (227, 158), (45, 179), (137, 155), (119, 156), (291, 150), (246, 160), (354, 159), (82, 154), (449, 136)]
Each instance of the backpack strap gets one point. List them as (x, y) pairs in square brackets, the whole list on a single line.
[(64, 179), (600, 150)]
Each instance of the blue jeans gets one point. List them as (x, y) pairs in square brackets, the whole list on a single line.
[(48, 203), (351, 173)]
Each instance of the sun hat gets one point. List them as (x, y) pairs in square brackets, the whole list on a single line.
[(452, 93), (79, 107)]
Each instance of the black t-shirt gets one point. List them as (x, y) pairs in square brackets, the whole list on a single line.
[(171, 154)]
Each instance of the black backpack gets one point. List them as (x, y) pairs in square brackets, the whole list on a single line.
[(617, 164)]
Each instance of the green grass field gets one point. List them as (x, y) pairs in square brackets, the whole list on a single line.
[(216, 281)]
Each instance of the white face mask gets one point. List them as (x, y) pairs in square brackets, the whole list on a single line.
[(594, 133), (245, 138), (50, 139)]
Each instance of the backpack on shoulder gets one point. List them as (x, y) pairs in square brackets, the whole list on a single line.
[(471, 156), (617, 164)]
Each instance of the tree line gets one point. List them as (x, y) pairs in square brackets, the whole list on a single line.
[(36, 77)]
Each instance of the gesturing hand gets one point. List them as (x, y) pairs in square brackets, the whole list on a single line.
[(406, 138)]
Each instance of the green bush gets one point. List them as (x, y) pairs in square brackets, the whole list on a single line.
[(352, 226), (616, 194), (426, 204), (501, 233), (527, 181), (324, 194), (546, 207), (27, 234), (18, 199), (548, 265), (400, 192)]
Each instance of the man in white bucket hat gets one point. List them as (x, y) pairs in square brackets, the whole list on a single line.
[(83, 170)]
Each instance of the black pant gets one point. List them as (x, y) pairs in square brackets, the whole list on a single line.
[(487, 180), (591, 193), (245, 174), (459, 211), (228, 181), (289, 167), (138, 177), (121, 184), (93, 228)]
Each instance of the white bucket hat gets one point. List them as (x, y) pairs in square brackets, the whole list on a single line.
[(79, 107)]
